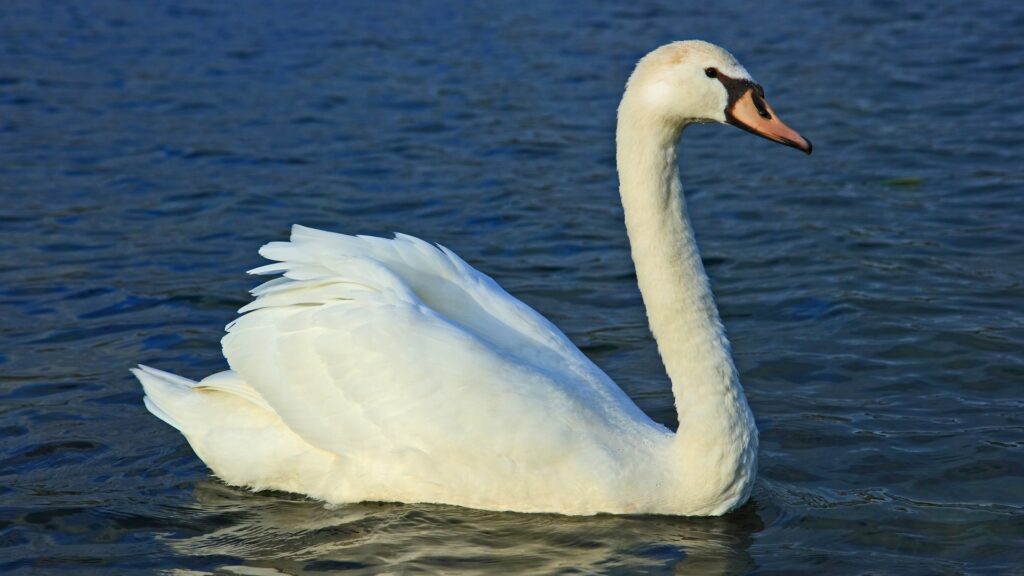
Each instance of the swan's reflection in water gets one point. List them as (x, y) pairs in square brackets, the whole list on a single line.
[(274, 533)]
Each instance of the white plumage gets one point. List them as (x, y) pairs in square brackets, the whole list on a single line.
[(389, 369), (405, 374)]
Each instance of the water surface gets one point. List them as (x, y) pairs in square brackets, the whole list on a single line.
[(873, 292)]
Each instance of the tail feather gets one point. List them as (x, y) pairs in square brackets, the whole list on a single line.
[(162, 388), (236, 433), (159, 413)]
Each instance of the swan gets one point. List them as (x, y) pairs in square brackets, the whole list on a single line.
[(376, 369)]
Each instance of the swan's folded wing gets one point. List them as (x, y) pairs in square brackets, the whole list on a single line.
[(410, 269), (375, 345)]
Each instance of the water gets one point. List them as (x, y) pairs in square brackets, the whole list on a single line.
[(873, 291)]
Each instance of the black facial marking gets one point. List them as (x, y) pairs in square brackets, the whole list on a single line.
[(758, 98), (737, 88)]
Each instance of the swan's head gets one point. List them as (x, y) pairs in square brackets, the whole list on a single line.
[(695, 81)]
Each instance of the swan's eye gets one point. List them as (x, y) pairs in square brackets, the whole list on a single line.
[(711, 72)]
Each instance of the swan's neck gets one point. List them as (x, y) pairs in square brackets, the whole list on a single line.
[(713, 412)]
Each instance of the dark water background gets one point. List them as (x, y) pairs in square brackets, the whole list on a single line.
[(873, 291)]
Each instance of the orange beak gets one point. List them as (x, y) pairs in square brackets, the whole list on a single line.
[(752, 113)]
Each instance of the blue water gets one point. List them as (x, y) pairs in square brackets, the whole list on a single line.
[(874, 292)]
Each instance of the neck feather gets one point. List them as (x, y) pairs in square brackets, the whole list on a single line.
[(680, 307)]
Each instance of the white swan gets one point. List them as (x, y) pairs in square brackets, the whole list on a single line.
[(390, 370)]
